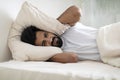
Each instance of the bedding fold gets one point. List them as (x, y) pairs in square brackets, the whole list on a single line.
[(108, 41)]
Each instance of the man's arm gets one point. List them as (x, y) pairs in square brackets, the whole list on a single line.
[(70, 16), (65, 57)]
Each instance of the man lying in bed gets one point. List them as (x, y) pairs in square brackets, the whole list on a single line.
[(77, 43)]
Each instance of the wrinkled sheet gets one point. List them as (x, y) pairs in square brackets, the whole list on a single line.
[(84, 70)]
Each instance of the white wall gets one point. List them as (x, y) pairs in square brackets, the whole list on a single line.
[(54, 7), (100, 12), (8, 12), (95, 13)]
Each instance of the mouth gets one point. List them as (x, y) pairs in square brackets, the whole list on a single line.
[(56, 41)]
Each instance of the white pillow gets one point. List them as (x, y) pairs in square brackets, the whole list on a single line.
[(31, 15)]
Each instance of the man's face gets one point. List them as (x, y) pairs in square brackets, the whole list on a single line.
[(44, 38)]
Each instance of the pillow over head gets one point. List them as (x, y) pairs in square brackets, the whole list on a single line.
[(31, 15)]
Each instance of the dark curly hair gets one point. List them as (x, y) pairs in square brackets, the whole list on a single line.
[(29, 34)]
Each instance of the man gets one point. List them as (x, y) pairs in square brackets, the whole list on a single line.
[(77, 43)]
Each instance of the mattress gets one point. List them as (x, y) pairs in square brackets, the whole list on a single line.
[(83, 70)]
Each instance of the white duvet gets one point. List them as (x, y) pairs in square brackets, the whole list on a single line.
[(84, 70), (109, 44)]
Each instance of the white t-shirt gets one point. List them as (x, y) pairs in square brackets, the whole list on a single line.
[(81, 40)]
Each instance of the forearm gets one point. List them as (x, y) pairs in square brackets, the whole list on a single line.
[(65, 58), (70, 16)]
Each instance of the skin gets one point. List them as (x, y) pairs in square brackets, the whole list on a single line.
[(44, 38), (70, 16)]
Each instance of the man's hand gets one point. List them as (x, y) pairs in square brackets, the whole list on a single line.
[(65, 58), (70, 16)]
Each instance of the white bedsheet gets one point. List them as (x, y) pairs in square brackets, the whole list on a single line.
[(84, 70)]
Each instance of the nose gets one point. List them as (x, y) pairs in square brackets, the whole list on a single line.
[(48, 40)]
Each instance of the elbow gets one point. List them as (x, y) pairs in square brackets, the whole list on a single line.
[(76, 11)]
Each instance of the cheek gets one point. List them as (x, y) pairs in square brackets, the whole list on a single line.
[(37, 42), (48, 44)]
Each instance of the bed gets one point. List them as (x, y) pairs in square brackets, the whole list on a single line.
[(84, 70), (36, 70)]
